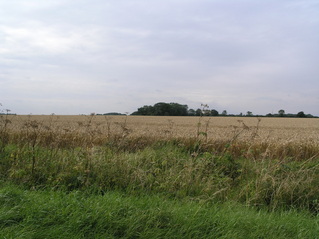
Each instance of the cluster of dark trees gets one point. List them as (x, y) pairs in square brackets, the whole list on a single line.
[(175, 109), (165, 109)]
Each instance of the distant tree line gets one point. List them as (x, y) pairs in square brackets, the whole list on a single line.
[(111, 113), (176, 109), (281, 113), (7, 113)]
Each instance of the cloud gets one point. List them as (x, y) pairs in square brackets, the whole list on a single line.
[(119, 55), (35, 39)]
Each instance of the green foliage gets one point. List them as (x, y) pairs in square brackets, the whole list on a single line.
[(164, 109), (281, 113), (214, 112), (191, 112), (249, 113), (199, 112), (145, 110), (301, 114)]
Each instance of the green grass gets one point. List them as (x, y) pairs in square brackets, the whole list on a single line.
[(59, 214), (174, 169)]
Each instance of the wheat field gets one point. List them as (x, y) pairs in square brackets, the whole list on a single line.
[(279, 130)]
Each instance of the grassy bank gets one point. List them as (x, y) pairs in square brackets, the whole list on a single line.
[(178, 169), (58, 214)]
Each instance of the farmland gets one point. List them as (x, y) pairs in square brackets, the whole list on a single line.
[(277, 138), (267, 164), (281, 130)]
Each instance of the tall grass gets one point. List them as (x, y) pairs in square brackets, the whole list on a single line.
[(58, 214)]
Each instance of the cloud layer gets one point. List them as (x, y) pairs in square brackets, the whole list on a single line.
[(71, 57)]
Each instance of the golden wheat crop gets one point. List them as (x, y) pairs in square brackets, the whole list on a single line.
[(278, 130)]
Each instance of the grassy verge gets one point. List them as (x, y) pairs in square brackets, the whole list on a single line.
[(58, 214), (173, 168)]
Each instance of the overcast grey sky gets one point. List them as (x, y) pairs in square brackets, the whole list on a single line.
[(73, 57)]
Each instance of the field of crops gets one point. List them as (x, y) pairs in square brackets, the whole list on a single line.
[(279, 130)]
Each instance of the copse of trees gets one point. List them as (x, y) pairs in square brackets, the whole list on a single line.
[(165, 109), (175, 109)]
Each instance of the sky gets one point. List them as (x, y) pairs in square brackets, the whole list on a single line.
[(85, 56)]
